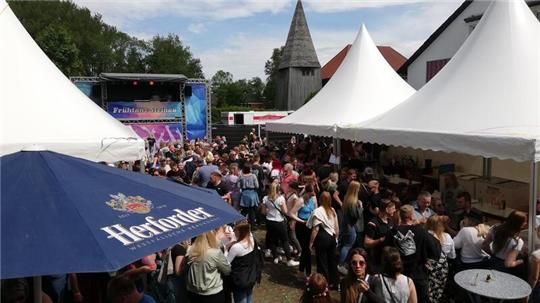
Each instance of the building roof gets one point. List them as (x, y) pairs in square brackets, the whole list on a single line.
[(403, 69), (393, 57), (299, 50)]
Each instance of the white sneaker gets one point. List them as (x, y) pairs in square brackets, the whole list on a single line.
[(276, 260), (342, 270), (267, 253), (280, 251), (292, 263)]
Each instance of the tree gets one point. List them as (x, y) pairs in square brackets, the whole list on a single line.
[(271, 70), (221, 78), (255, 89), (57, 43), (100, 47), (168, 55), (220, 82), (310, 96)]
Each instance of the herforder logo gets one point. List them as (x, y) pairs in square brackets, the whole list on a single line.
[(174, 223), (130, 204)]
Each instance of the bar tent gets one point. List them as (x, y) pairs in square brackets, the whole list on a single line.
[(484, 102), (40, 106), (363, 86)]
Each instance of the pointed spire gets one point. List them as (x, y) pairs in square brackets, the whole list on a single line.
[(299, 50)]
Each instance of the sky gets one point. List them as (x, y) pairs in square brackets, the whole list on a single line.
[(238, 36)]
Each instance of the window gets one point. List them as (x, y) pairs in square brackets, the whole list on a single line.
[(307, 72), (433, 67)]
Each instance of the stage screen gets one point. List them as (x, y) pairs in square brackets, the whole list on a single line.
[(159, 131), (129, 111), (195, 107), (91, 89)]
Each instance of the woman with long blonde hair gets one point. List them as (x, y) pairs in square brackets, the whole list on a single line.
[(353, 222), (324, 234), (276, 224), (207, 265), (438, 270)]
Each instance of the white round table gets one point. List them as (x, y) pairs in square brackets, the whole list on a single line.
[(501, 286)]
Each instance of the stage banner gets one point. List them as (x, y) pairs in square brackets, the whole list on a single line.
[(144, 110), (161, 132), (195, 107)]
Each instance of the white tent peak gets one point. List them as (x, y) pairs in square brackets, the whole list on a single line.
[(485, 101), (39, 105), (363, 86)]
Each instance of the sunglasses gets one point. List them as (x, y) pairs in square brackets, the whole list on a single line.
[(358, 263)]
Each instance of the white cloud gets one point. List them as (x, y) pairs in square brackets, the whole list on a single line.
[(329, 43), (197, 28), (243, 56), (127, 12), (405, 32), (332, 6)]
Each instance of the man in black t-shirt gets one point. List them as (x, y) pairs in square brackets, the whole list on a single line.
[(415, 246), (376, 231), (178, 253), (221, 188)]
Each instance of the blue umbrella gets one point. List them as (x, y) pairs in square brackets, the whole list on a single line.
[(61, 214)]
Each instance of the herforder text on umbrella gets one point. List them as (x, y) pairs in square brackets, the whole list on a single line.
[(154, 227)]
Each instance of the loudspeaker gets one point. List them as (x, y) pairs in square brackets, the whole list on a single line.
[(187, 91)]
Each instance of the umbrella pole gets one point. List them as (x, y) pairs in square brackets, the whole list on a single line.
[(532, 207), (37, 289)]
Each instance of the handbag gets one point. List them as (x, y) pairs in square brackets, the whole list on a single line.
[(262, 209)]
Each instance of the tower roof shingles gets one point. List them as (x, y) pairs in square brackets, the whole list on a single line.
[(299, 50)]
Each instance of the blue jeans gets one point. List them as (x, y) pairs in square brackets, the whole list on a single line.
[(243, 296), (347, 240)]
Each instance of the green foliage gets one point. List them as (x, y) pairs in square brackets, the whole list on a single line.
[(57, 42), (310, 96), (92, 47), (169, 56), (226, 91), (271, 71)]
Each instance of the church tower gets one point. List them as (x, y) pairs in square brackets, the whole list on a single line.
[(299, 68)]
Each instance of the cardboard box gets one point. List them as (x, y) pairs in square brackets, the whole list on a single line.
[(467, 182), (501, 193)]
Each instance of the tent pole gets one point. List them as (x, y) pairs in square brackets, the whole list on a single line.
[(532, 207), (337, 151), (37, 289), (486, 168), (142, 168)]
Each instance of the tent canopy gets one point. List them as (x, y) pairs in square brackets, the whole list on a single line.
[(485, 101), (364, 86), (47, 109)]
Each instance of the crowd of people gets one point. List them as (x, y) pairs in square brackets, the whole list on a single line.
[(370, 243)]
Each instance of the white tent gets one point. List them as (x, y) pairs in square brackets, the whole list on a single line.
[(364, 86), (485, 101), (40, 106)]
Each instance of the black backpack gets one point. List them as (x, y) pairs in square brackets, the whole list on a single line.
[(246, 271)]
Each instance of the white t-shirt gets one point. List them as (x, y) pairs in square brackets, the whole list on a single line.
[(240, 250), (470, 244), (511, 245), (448, 250), (272, 213)]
